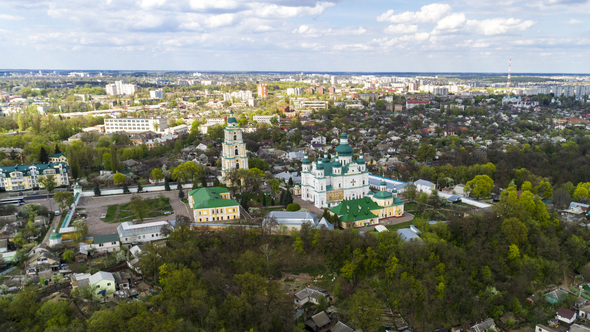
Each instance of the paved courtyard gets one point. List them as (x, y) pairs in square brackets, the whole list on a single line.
[(94, 207)]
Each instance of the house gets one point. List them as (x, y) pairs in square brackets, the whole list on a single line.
[(102, 283), (543, 328), (203, 146), (579, 328), (310, 294), (58, 158), (424, 186), (318, 321), (555, 296), (146, 232), (102, 244), (3, 246), (41, 258), (409, 234), (292, 220), (341, 327), (483, 326), (318, 140), (584, 312), (565, 315), (213, 204)]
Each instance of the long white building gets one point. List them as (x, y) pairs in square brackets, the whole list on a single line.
[(121, 88), (328, 181), (135, 125)]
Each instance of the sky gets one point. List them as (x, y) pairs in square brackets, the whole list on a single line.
[(541, 36)]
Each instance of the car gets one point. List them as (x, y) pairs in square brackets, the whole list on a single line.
[(56, 213), (103, 215)]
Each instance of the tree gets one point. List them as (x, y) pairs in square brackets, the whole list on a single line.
[(114, 159), (97, 192), (68, 255), (527, 186), (80, 230), (425, 152), (57, 150), (125, 188), (480, 186), (274, 186), (181, 194), (363, 310), (43, 156), (290, 183), (119, 178), (166, 184), (64, 199), (293, 207), (185, 172), (47, 182), (139, 207), (139, 187), (515, 231), (157, 174), (410, 191)]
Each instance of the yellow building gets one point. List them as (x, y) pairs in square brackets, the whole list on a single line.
[(213, 204), (234, 149), (25, 177), (58, 158), (369, 210)]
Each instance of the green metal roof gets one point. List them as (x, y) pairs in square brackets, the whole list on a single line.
[(25, 169), (383, 195), (356, 209), (57, 155), (107, 238), (210, 198), (54, 235)]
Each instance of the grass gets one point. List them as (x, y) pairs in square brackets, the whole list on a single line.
[(111, 212), (122, 212), (412, 206), (399, 226)]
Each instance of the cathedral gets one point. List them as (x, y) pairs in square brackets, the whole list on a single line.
[(328, 181), (234, 149)]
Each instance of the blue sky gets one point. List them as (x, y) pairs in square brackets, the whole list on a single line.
[(543, 36)]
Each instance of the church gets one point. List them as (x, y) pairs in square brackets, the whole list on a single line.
[(328, 181), (234, 149)]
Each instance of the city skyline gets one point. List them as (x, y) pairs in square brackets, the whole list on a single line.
[(310, 36)]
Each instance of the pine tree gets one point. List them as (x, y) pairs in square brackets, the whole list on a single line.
[(263, 199), (96, 189), (43, 156), (181, 194), (139, 187), (290, 182), (166, 184), (204, 182), (282, 199), (57, 150), (288, 197), (244, 201), (125, 188), (272, 202), (179, 186)]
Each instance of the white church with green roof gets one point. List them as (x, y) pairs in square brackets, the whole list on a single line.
[(330, 180)]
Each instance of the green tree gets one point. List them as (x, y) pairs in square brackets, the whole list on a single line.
[(43, 156), (513, 252), (364, 308), (274, 186), (139, 207), (480, 186), (185, 172), (293, 207), (515, 231), (166, 184), (157, 174), (63, 199), (80, 230), (125, 188), (68, 255), (119, 178), (181, 193), (527, 186), (97, 192), (425, 152)]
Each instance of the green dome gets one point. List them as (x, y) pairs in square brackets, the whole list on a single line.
[(320, 166), (232, 119), (306, 161), (55, 235), (383, 183), (360, 161), (344, 149), (336, 163), (383, 195)]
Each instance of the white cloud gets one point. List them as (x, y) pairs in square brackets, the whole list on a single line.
[(212, 4), (149, 4), (275, 11), (221, 20), (301, 29), (5, 17), (428, 13), (498, 26), (401, 29), (451, 22), (573, 21), (190, 26), (264, 28), (359, 31)]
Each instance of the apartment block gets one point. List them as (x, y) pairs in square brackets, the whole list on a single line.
[(135, 125), (25, 177)]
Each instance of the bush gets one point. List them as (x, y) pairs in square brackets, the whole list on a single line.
[(293, 207)]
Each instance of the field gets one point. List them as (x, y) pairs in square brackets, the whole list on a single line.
[(121, 212)]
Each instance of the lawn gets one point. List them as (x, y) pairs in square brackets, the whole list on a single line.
[(121, 212), (411, 206)]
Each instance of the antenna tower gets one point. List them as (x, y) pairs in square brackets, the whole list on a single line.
[(509, 67)]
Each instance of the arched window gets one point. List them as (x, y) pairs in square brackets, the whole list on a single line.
[(237, 165), (235, 137), (236, 152)]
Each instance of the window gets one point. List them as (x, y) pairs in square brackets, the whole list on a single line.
[(100, 245), (235, 137), (236, 152), (108, 284)]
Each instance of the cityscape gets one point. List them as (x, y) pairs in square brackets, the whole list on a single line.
[(294, 166)]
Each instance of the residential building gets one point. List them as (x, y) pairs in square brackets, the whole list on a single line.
[(121, 88), (414, 103), (543, 328), (157, 94), (579, 328), (234, 149), (239, 95), (58, 158), (262, 91), (102, 283), (311, 295), (484, 326), (213, 204), (263, 118), (24, 177), (565, 315), (313, 104), (333, 80), (102, 244), (296, 91), (318, 321), (328, 181), (146, 232), (135, 125), (424, 186), (369, 210)]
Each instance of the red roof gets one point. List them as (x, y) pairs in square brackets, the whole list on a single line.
[(418, 102), (565, 313)]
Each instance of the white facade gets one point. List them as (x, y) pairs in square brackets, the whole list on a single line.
[(136, 125), (159, 94), (146, 232), (121, 88), (328, 181), (234, 148), (263, 118)]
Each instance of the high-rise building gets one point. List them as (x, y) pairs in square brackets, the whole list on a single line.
[(234, 149), (262, 91), (121, 88), (158, 94), (333, 81), (320, 90)]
